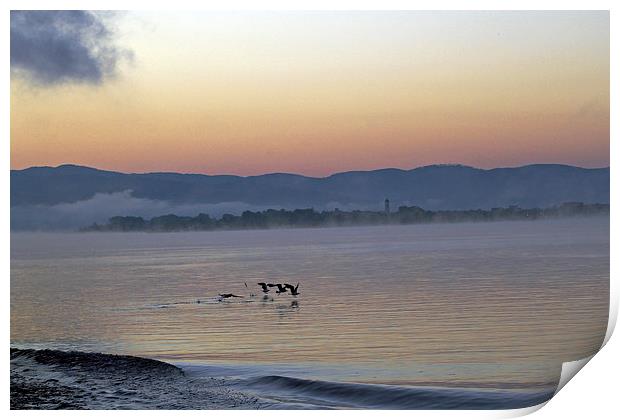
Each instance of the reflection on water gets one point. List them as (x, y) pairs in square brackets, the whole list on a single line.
[(284, 310), (483, 304), (265, 301)]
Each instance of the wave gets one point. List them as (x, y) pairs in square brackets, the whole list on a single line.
[(373, 396), (54, 379), (129, 365), (47, 379)]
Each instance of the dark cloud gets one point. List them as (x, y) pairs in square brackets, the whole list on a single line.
[(56, 47)]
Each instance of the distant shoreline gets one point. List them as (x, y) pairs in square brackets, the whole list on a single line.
[(309, 218)]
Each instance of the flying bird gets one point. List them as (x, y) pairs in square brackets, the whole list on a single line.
[(293, 290), (281, 289), (228, 295), (264, 287)]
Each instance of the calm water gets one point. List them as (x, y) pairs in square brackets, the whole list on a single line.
[(493, 305)]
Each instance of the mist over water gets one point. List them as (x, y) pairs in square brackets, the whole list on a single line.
[(102, 206), (489, 306)]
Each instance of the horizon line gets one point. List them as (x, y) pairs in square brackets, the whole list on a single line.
[(308, 176)]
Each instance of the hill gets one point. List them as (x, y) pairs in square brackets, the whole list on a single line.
[(70, 196)]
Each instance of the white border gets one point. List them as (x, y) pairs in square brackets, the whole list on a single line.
[(592, 395)]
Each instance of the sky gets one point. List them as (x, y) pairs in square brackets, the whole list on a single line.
[(313, 93)]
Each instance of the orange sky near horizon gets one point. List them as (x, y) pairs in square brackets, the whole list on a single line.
[(319, 93)]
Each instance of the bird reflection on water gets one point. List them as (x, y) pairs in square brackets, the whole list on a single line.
[(266, 300), (284, 310), (230, 298)]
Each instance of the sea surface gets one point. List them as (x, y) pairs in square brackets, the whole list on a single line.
[(468, 315)]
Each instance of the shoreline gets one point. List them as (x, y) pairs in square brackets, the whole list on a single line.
[(605, 216), (309, 218)]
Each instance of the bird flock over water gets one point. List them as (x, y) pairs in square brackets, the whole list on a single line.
[(282, 288), (266, 288)]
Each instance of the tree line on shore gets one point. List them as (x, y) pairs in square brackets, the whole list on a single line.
[(311, 218)]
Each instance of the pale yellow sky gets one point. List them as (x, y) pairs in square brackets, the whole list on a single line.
[(318, 93)]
